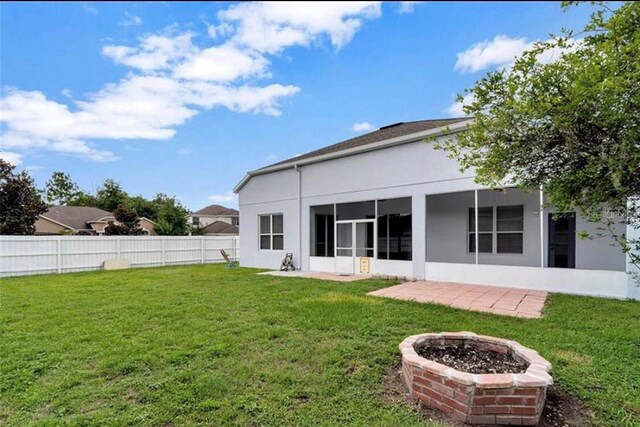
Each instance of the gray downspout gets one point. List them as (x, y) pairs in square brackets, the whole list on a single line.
[(299, 216)]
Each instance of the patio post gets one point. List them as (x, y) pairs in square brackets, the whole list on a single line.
[(475, 211), (541, 228)]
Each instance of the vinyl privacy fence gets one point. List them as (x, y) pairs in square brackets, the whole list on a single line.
[(25, 255)]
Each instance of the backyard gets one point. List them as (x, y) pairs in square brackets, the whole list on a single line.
[(204, 344)]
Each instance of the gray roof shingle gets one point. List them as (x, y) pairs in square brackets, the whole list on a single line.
[(216, 210), (75, 217)]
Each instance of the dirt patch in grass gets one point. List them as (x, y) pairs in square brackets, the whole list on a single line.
[(561, 408), (468, 358)]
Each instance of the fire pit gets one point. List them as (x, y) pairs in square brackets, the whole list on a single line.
[(504, 382)]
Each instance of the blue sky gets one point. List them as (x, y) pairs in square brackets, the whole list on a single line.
[(184, 98)]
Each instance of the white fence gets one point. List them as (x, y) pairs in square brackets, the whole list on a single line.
[(24, 255)]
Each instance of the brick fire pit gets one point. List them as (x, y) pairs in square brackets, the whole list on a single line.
[(516, 399)]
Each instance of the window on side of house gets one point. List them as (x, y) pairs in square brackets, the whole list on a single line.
[(509, 229), (485, 230), (235, 220), (195, 220), (271, 232)]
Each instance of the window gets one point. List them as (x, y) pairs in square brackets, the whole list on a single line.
[(510, 229), (195, 220), (271, 232), (322, 231), (485, 230), (507, 231), (357, 210), (235, 220), (394, 229)]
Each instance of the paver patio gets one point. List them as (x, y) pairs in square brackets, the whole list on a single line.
[(491, 299), (318, 275)]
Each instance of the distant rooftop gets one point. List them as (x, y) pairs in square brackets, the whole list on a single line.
[(216, 210)]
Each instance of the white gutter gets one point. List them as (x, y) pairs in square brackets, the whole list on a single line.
[(454, 128)]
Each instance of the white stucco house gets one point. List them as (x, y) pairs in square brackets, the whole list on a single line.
[(389, 203)]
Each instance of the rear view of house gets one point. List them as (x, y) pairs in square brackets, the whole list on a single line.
[(389, 203)]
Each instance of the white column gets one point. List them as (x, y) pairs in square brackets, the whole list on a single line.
[(541, 228), (419, 234), (164, 261), (475, 194), (201, 249)]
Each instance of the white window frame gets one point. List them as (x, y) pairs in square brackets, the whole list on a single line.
[(494, 232), (271, 234)]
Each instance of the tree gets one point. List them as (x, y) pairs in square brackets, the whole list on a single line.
[(127, 223), (144, 208), (60, 189), (569, 125), (20, 201), (172, 216), (83, 198), (110, 195)]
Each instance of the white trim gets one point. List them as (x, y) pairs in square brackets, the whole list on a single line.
[(568, 280), (413, 137), (541, 228), (271, 234), (392, 267)]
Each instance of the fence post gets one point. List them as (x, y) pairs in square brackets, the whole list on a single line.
[(164, 261), (233, 247), (118, 247), (59, 254), (201, 249)]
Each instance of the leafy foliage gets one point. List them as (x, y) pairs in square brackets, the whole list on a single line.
[(569, 124), (61, 189), (172, 216), (20, 201), (128, 223), (110, 196)]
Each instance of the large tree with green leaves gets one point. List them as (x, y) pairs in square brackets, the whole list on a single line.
[(110, 195), (20, 201), (172, 216), (61, 189), (569, 124)]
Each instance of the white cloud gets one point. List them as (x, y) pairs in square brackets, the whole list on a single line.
[(170, 78), (11, 157), (90, 9), (455, 109), (185, 151), (227, 197), (361, 127), (500, 51), (130, 19), (407, 6), (272, 26), (33, 168)]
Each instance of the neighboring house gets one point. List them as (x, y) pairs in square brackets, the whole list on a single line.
[(213, 213), (220, 228), (388, 199), (82, 220)]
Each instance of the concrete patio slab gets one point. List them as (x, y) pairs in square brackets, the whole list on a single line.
[(489, 299), (318, 275)]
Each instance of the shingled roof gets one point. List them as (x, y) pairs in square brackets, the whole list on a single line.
[(386, 132), (221, 227), (75, 217), (216, 210)]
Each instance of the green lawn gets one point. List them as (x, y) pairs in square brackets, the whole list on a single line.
[(201, 344)]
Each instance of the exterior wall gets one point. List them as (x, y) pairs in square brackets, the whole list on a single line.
[(46, 227), (411, 170), (147, 225), (273, 193), (210, 219)]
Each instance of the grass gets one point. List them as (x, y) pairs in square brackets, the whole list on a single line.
[(205, 345)]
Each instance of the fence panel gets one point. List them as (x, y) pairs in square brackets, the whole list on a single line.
[(25, 255)]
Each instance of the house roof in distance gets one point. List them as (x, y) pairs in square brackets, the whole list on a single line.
[(221, 227), (216, 210), (75, 217)]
